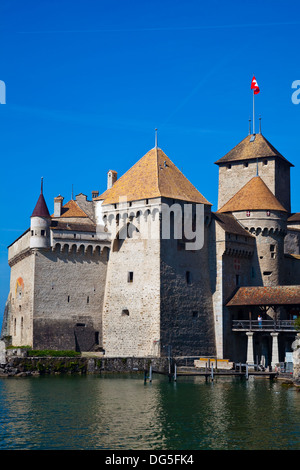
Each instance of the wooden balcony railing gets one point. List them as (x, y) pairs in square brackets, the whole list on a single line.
[(264, 325)]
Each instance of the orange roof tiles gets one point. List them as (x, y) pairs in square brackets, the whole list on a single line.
[(154, 175), (255, 195), (260, 147), (294, 217), (277, 295), (71, 209)]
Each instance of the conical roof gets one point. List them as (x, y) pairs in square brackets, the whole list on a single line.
[(154, 175), (41, 209), (255, 195), (252, 147)]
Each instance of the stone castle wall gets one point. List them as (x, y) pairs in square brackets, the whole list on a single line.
[(21, 300), (68, 300), (131, 313), (187, 322)]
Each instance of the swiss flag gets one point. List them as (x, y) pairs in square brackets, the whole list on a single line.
[(254, 86)]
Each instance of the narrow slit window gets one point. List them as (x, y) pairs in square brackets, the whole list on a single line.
[(130, 276), (188, 277)]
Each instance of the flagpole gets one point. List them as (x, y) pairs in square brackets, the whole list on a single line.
[(253, 115)]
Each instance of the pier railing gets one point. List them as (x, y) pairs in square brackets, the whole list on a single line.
[(264, 325)]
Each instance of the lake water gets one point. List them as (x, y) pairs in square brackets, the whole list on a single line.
[(120, 412)]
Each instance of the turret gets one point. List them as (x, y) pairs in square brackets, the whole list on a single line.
[(40, 223), (257, 209)]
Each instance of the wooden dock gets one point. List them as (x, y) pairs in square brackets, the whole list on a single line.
[(224, 373), (211, 373)]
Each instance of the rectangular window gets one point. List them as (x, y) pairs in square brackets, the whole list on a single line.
[(188, 277), (130, 276), (237, 280), (43, 233), (195, 314), (96, 337)]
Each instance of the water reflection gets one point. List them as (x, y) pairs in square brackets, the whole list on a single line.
[(121, 412)]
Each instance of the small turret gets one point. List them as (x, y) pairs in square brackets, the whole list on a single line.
[(39, 223), (258, 210)]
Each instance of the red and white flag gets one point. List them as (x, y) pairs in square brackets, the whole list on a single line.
[(254, 86)]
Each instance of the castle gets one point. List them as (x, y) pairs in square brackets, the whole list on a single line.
[(87, 278)]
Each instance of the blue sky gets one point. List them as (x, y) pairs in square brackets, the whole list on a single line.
[(87, 82)]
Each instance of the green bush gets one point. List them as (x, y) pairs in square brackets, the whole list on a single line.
[(51, 353), (297, 324)]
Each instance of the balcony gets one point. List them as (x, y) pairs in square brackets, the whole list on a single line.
[(287, 326)]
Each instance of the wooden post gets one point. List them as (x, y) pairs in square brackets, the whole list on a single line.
[(175, 372), (150, 373), (212, 372)]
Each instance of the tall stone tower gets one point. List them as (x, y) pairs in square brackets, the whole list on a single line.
[(157, 295), (253, 156)]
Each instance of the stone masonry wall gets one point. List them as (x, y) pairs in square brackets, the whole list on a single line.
[(68, 300), (21, 300), (187, 322), (131, 315)]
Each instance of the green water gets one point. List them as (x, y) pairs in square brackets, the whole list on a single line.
[(120, 412)]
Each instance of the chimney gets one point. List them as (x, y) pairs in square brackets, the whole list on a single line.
[(58, 205), (112, 177), (95, 194)]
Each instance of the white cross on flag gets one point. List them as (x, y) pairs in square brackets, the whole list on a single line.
[(254, 86)]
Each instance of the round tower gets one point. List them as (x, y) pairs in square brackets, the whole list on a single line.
[(40, 223), (269, 229), (257, 209)]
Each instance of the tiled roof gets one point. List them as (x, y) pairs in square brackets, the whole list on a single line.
[(154, 175), (277, 295), (229, 223), (255, 195), (294, 217), (250, 148), (73, 227), (71, 209)]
